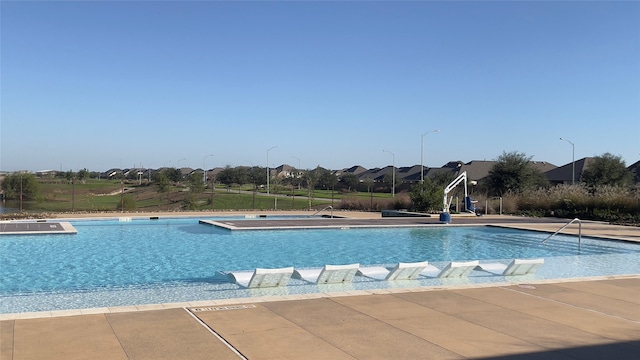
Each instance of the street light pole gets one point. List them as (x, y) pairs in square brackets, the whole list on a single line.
[(268, 172), (298, 161), (422, 153), (573, 161), (393, 176)]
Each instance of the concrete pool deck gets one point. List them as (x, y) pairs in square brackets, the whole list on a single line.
[(569, 319), (597, 319), (36, 228)]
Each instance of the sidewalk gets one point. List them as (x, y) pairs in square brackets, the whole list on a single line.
[(595, 319)]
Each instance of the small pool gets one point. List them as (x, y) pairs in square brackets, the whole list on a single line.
[(115, 263)]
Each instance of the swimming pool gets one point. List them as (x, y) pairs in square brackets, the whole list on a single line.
[(111, 263)]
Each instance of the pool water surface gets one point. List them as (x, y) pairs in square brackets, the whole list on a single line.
[(110, 263)]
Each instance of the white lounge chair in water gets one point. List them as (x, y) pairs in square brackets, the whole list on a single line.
[(402, 271), (329, 274), (262, 277), (515, 267), (453, 269)]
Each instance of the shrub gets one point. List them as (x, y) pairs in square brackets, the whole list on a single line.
[(401, 201), (128, 203), (189, 202), (608, 203)]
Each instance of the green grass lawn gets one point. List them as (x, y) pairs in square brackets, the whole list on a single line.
[(105, 195)]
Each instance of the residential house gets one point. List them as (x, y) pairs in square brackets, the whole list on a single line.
[(565, 174)]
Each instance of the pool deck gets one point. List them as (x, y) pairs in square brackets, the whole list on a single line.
[(591, 318), (36, 228), (596, 319), (595, 229)]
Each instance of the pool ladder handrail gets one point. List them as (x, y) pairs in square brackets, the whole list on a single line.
[(565, 226), (323, 209)]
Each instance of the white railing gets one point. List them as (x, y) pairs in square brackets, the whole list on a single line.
[(323, 209), (486, 204), (565, 226)]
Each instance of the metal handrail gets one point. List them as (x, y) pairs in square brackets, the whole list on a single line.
[(323, 209), (567, 224)]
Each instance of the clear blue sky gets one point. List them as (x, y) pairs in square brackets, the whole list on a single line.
[(98, 85)]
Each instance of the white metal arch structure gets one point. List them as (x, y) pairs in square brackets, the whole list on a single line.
[(447, 202)]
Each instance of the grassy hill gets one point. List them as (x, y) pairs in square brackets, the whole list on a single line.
[(106, 195)]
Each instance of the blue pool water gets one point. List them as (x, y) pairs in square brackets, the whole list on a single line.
[(109, 263)]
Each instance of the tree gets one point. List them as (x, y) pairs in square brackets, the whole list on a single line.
[(349, 181), (607, 169), (174, 174), (387, 180), (369, 183), (21, 183), (128, 203), (163, 185), (324, 178), (83, 175), (310, 179), (514, 173), (255, 175), (195, 183), (240, 175), (189, 202), (162, 181), (427, 196), (226, 176), (69, 175), (443, 178)]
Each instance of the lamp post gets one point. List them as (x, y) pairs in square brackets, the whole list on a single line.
[(393, 176), (268, 172), (204, 169), (573, 161), (422, 153), (298, 161)]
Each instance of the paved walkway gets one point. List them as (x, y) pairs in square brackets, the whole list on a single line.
[(597, 319)]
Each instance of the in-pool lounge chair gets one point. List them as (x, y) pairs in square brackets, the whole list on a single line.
[(515, 267), (262, 277), (329, 274), (452, 270), (402, 271)]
